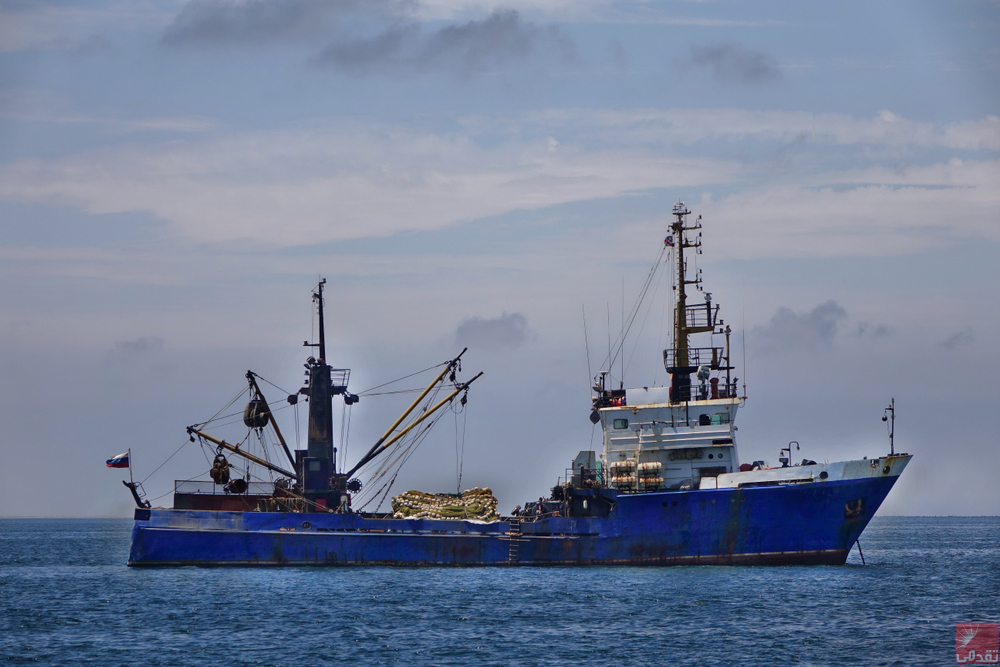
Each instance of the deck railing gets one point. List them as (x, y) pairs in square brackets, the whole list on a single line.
[(701, 315), (696, 356), (211, 488)]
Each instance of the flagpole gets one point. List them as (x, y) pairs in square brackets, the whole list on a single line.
[(130, 466)]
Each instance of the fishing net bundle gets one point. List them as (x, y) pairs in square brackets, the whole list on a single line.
[(478, 504)]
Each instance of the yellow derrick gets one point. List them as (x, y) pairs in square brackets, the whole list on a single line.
[(478, 504)]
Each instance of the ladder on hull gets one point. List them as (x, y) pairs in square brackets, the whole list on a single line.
[(514, 541)]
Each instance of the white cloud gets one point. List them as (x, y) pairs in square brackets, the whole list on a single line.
[(688, 126), (297, 187), (353, 179), (868, 220)]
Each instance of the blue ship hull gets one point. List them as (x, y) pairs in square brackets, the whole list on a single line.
[(668, 488), (805, 523)]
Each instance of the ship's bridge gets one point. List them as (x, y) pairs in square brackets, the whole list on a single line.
[(653, 444)]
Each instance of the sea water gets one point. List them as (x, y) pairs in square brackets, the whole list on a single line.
[(67, 598)]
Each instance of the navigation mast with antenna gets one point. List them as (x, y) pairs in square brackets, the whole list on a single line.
[(687, 320), (319, 464), (890, 416)]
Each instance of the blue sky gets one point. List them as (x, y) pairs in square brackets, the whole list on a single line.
[(174, 176)]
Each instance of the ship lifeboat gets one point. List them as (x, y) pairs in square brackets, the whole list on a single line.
[(622, 467)]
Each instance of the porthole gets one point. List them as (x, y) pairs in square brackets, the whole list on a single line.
[(824, 475), (710, 456)]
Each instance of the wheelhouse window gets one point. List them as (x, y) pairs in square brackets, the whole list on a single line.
[(620, 423), (720, 418)]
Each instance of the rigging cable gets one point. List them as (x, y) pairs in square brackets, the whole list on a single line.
[(416, 390), (264, 442), (460, 452), (238, 416), (285, 391), (388, 462), (620, 341), (418, 440), (744, 337), (226, 407), (663, 316), (343, 422), (405, 377), (404, 454), (150, 500), (607, 307), (642, 326), (186, 441), (387, 487), (345, 430)]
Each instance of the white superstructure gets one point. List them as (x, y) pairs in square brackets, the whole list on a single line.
[(690, 441)]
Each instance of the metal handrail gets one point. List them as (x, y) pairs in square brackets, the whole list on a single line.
[(207, 487)]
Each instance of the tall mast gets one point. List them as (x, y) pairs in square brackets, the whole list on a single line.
[(318, 463), (318, 296), (687, 320), (680, 315)]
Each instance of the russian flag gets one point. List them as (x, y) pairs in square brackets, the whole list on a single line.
[(120, 461)]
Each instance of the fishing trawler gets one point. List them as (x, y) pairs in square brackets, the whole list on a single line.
[(667, 488)]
